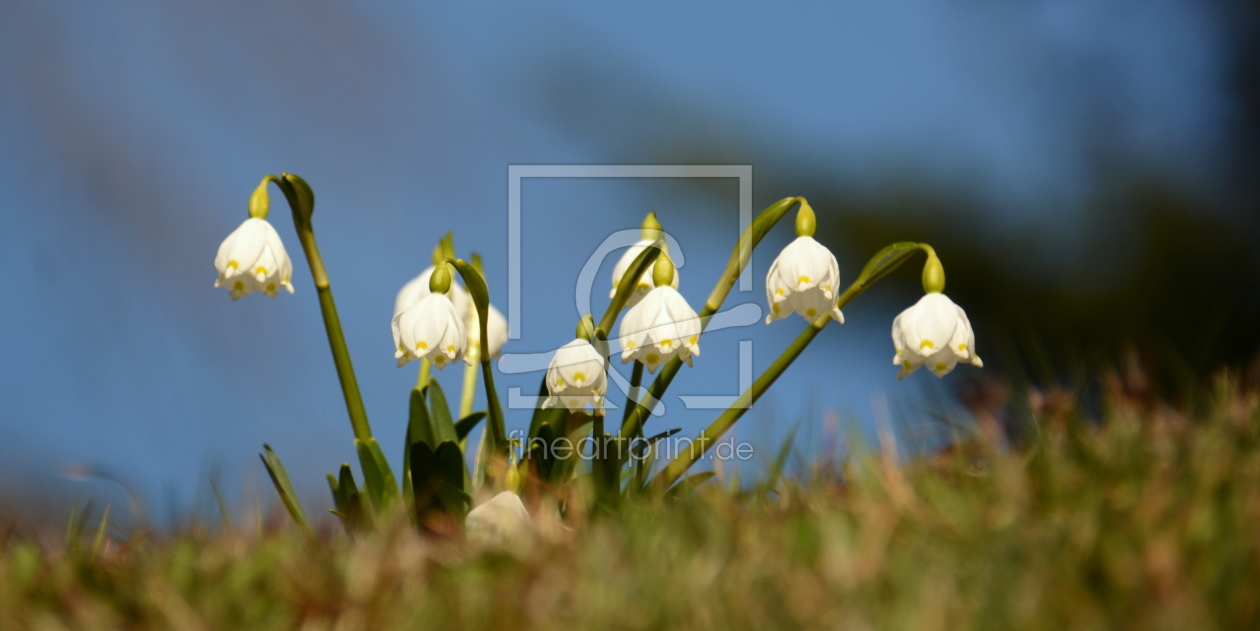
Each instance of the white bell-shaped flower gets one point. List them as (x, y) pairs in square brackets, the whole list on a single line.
[(253, 258), (500, 522), (646, 283), (418, 287), (803, 279), (576, 377), (430, 329), (496, 329), (662, 326), (934, 332)]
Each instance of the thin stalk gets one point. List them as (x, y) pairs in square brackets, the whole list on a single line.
[(422, 379), (740, 257), (600, 463), (332, 323), (469, 392), (710, 435), (636, 379)]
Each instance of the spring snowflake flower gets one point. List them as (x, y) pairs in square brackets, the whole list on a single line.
[(253, 258), (496, 329), (576, 377), (430, 329), (660, 327), (646, 284), (934, 332), (803, 279), (418, 287), (500, 522)]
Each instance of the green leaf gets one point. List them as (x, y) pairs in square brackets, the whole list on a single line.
[(688, 484), (419, 424), (283, 487), (564, 468), (651, 442), (382, 488), (440, 414), (630, 281), (540, 450), (350, 502), (334, 486), (378, 456), (451, 475), (467, 424), (438, 479)]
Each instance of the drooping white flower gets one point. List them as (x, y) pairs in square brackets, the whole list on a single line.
[(418, 287), (500, 522), (253, 258), (803, 279), (661, 326), (576, 377), (430, 329), (646, 283), (496, 328), (934, 332)]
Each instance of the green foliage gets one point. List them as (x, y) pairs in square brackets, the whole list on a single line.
[(1142, 519), (283, 487)]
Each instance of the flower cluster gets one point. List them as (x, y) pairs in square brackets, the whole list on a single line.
[(438, 321)]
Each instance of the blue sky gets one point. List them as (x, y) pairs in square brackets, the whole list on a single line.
[(131, 137)]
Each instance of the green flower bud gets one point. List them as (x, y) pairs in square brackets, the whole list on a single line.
[(259, 201), (586, 327), (440, 280), (651, 227), (513, 481), (806, 222), (933, 274), (663, 271), (448, 245)]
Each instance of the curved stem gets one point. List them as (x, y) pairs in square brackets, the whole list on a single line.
[(710, 435), (332, 323), (748, 240), (476, 285)]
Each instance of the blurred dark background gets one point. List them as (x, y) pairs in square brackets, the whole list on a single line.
[(1088, 172)]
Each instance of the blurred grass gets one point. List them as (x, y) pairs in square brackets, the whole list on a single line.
[(1143, 516)]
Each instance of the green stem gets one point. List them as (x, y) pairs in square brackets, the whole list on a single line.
[(422, 379), (636, 379), (748, 240), (469, 392), (476, 285), (710, 435), (332, 323), (600, 463)]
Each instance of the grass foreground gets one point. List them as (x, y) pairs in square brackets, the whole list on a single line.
[(1147, 517)]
